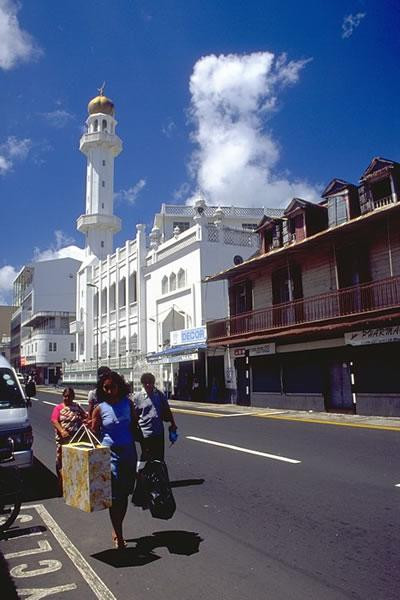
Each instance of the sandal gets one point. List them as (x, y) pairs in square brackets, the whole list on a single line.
[(119, 544)]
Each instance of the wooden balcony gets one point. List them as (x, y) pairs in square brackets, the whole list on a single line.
[(365, 299)]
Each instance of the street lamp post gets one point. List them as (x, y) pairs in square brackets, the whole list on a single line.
[(96, 287)]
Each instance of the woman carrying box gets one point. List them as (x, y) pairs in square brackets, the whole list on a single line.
[(115, 423)]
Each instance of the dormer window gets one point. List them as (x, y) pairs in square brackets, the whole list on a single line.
[(338, 211)]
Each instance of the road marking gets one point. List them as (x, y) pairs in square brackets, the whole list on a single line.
[(92, 579), (323, 422), (247, 450), (51, 403), (243, 414), (397, 485), (197, 412)]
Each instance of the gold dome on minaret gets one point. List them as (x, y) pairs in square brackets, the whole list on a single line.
[(101, 104)]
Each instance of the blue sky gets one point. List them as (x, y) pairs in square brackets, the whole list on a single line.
[(250, 102)]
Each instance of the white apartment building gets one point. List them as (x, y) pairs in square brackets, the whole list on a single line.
[(44, 293), (129, 301)]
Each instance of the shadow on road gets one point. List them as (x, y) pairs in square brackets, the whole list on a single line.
[(177, 542), (186, 482), (39, 484)]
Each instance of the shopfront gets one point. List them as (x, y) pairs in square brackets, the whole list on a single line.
[(184, 364)]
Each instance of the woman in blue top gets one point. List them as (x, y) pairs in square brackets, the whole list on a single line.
[(115, 421)]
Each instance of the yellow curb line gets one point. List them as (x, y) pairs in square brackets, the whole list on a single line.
[(197, 412), (323, 422)]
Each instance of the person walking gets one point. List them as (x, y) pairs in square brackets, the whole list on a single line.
[(66, 418), (152, 409), (92, 395), (30, 390), (114, 422)]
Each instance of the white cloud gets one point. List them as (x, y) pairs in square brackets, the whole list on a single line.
[(131, 193), (7, 276), (13, 149), (62, 248), (236, 157), (5, 165), (169, 128), (58, 118), (350, 23), (16, 45)]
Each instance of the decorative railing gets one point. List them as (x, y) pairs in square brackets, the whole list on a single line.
[(233, 237), (379, 202), (353, 300), (229, 211)]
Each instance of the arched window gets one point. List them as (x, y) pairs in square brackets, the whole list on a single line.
[(164, 285), (122, 292), (104, 125), (104, 301), (132, 287), (95, 125), (181, 278), (172, 282), (96, 304), (112, 296)]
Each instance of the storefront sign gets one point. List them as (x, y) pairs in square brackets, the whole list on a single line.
[(259, 350), (381, 335), (188, 336), (164, 360)]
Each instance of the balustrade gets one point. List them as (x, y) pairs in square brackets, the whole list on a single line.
[(340, 303)]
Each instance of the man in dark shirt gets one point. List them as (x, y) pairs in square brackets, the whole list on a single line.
[(152, 410)]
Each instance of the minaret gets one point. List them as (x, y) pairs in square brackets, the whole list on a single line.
[(100, 145)]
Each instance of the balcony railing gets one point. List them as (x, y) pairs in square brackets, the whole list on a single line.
[(379, 202), (349, 301)]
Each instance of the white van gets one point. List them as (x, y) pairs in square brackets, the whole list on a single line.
[(14, 420)]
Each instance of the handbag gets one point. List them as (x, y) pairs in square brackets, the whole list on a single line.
[(153, 490)]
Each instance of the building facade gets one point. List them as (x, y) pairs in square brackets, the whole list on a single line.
[(131, 299), (6, 313), (44, 294), (314, 318)]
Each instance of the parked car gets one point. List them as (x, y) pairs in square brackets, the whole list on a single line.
[(14, 420)]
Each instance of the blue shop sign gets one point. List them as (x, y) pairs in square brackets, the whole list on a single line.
[(188, 336)]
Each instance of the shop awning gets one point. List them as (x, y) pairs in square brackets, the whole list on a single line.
[(176, 351)]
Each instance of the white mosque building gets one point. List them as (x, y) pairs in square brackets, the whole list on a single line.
[(143, 305)]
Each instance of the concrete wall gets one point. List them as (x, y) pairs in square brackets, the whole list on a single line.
[(288, 401), (386, 405), (55, 285)]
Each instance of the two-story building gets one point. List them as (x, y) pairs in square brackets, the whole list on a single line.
[(314, 317)]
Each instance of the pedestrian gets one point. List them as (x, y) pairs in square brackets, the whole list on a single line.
[(114, 422), (195, 389), (30, 390), (67, 417), (152, 409), (92, 395)]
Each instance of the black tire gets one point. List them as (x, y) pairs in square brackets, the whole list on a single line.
[(10, 497)]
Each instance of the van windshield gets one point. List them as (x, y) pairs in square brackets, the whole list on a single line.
[(10, 393)]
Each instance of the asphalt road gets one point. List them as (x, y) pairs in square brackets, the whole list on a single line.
[(324, 526)]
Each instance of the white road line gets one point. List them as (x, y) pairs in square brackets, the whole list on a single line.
[(51, 403), (397, 485), (244, 414), (92, 579), (247, 450)]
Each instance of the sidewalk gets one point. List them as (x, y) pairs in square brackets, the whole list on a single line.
[(370, 422)]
